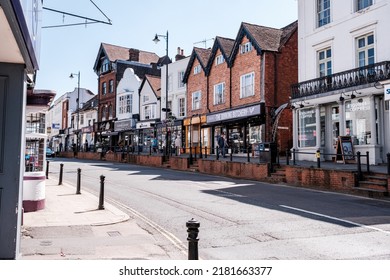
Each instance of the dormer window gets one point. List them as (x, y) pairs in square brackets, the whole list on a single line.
[(197, 69), (105, 65), (247, 47), (219, 60)]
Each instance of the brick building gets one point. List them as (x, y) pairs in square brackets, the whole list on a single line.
[(237, 87)]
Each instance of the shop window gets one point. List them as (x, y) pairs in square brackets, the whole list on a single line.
[(35, 123), (358, 121), (307, 128)]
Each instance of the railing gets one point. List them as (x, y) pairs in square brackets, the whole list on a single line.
[(354, 77)]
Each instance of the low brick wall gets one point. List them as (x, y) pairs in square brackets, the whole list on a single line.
[(321, 178), (155, 161), (243, 170), (179, 163)]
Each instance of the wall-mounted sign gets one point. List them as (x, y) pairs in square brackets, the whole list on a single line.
[(235, 114), (55, 126), (387, 92)]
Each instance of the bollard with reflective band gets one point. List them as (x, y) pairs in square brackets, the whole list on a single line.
[(78, 181)]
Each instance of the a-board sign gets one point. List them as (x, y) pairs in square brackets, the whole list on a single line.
[(345, 149)]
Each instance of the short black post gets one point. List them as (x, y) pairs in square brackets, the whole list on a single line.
[(150, 150), (247, 155), (318, 156), (205, 152), (200, 154), (231, 155), (47, 169), (217, 152), (294, 156), (78, 180), (193, 230), (359, 166), (101, 195), (61, 172), (388, 163), (287, 157), (191, 161), (368, 161)]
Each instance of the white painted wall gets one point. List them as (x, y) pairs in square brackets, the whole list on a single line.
[(129, 84)]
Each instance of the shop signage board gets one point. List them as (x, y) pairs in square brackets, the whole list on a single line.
[(387, 92), (345, 151)]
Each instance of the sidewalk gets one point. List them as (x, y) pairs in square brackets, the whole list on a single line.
[(71, 227)]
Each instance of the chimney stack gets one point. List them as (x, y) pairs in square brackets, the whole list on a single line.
[(133, 55), (180, 54)]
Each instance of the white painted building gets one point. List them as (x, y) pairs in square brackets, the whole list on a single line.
[(59, 118), (344, 69), (149, 106), (177, 93), (127, 107)]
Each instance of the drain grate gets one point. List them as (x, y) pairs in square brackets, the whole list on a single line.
[(46, 243), (113, 233)]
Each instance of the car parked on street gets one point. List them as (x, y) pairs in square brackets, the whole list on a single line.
[(50, 153)]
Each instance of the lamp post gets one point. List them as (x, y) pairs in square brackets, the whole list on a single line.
[(166, 109), (78, 108)]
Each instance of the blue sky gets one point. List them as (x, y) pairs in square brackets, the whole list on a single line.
[(68, 50)]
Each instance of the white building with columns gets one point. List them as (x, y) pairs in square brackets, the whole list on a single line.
[(344, 72)]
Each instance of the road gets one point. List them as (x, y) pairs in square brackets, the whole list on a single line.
[(240, 219)]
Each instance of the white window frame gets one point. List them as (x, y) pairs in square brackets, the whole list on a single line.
[(180, 76), (247, 85), (324, 62), (219, 59), (219, 93), (196, 98), (246, 47), (363, 53), (125, 103), (170, 82), (197, 69), (363, 4), (323, 13), (182, 106), (104, 88)]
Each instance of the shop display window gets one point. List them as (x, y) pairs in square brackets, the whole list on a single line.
[(358, 121), (307, 128)]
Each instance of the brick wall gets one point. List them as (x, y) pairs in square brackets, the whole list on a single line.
[(195, 83)]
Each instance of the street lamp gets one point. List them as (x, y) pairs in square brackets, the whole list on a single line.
[(78, 107), (166, 109)]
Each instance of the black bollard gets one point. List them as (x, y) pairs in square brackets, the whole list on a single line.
[(78, 180), (150, 150), (368, 161), (231, 155), (388, 163), (359, 166), (205, 152), (318, 156), (294, 156), (61, 172), (248, 157), (47, 169), (287, 157), (193, 230), (217, 152), (101, 195)]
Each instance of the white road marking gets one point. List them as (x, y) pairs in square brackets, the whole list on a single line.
[(336, 219)]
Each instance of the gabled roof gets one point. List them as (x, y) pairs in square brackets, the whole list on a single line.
[(91, 104), (115, 53), (154, 82), (225, 45), (203, 56), (264, 38)]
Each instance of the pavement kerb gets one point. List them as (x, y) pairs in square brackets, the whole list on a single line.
[(63, 207)]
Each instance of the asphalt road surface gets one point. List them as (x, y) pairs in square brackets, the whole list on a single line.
[(240, 219)]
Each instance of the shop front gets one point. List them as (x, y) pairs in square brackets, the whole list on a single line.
[(243, 127), (147, 131), (170, 130), (127, 132), (320, 126), (106, 138)]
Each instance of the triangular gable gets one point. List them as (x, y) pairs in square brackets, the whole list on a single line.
[(225, 45), (202, 55), (154, 83)]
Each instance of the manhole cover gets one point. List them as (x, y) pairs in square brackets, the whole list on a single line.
[(113, 233), (46, 243)]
